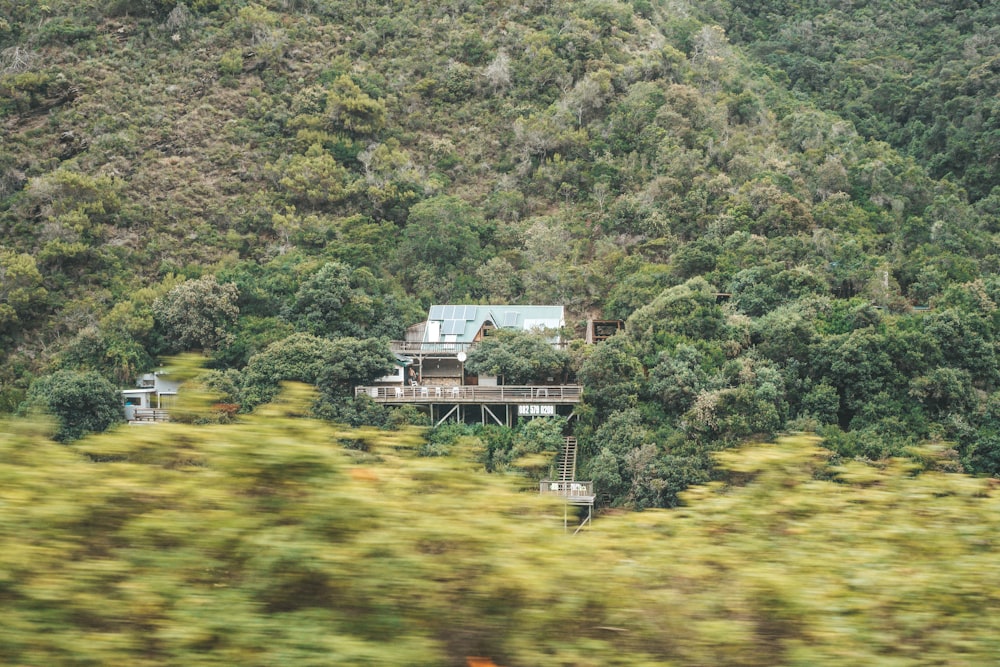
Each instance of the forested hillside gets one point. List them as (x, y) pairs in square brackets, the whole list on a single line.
[(923, 76), (282, 185)]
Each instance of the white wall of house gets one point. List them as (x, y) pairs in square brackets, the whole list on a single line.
[(433, 332), (396, 377)]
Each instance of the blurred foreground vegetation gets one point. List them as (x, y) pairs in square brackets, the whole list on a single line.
[(267, 542)]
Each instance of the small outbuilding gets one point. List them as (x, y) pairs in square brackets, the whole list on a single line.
[(153, 394)]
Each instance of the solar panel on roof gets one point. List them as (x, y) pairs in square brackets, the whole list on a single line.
[(452, 327), (510, 319), (437, 313), (468, 313)]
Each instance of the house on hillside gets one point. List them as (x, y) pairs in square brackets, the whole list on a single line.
[(438, 346), (153, 394)]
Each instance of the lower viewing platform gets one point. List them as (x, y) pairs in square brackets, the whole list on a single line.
[(520, 394), (575, 493)]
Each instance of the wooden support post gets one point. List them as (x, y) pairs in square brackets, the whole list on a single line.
[(446, 415), (590, 514)]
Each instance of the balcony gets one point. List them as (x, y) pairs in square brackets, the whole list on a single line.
[(416, 348), (575, 493), (522, 394)]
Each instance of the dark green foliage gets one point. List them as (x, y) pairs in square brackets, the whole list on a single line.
[(333, 366), (921, 76), (612, 376), (81, 402), (337, 301), (690, 311), (679, 376), (299, 358), (353, 361), (629, 468), (198, 314), (519, 357), (120, 358), (531, 447), (441, 439), (759, 290), (441, 247), (150, 8)]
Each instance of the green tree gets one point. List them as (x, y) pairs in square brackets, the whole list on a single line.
[(297, 358), (315, 180), (339, 301), (944, 391), (350, 108), (22, 293), (612, 376), (441, 246), (679, 377), (197, 314), (351, 362), (81, 401), (334, 366), (858, 366), (685, 311), (749, 400), (519, 357)]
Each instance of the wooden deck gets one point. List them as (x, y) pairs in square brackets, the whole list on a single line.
[(428, 349), (575, 493), (554, 395), (441, 349)]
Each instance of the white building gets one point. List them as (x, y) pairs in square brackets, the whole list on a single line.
[(154, 391)]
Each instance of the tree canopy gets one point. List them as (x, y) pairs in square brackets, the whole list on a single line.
[(519, 357), (81, 402)]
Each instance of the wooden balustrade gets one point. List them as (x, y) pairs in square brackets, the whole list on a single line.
[(150, 415), (570, 489), (556, 394)]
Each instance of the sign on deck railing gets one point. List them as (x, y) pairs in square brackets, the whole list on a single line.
[(570, 489)]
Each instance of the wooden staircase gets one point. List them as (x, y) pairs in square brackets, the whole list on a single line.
[(566, 467), (567, 482)]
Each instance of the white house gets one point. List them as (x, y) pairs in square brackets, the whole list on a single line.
[(153, 391)]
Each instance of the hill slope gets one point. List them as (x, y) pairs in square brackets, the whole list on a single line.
[(622, 159)]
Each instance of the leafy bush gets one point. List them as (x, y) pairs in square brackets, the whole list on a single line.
[(519, 357), (82, 402)]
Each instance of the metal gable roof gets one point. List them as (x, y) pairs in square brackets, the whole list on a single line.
[(464, 321)]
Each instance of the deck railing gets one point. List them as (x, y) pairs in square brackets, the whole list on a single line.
[(443, 349), (411, 347), (150, 415), (550, 487), (473, 394)]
